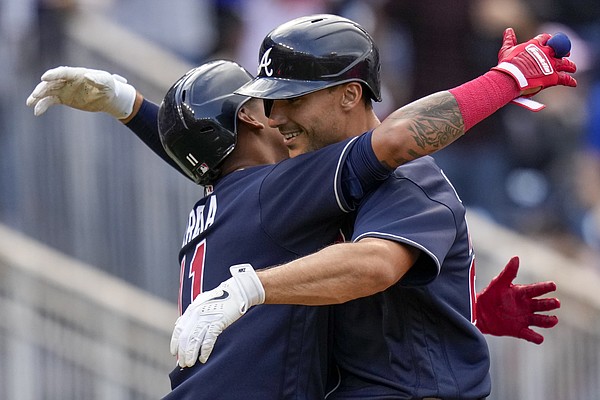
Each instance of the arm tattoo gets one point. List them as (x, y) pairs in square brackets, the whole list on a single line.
[(433, 122), (420, 128), (437, 121)]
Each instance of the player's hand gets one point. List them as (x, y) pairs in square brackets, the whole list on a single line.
[(196, 331), (533, 66), (84, 89), (505, 309)]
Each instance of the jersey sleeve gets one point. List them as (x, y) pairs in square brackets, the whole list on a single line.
[(418, 207), (362, 172), (145, 126)]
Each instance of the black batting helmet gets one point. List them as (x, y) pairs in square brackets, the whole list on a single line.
[(197, 119), (312, 53)]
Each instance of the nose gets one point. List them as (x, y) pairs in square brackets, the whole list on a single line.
[(275, 114)]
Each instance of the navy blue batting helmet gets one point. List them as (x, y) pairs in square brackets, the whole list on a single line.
[(312, 53), (197, 119)]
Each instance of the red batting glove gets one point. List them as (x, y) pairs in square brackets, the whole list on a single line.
[(504, 309), (533, 66)]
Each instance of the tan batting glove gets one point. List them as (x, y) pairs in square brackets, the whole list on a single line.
[(83, 89)]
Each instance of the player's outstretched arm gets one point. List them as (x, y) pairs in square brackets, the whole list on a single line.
[(506, 309), (84, 89), (100, 91), (435, 121)]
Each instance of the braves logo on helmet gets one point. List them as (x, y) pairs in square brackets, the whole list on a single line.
[(265, 62)]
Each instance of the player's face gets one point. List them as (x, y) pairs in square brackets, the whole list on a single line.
[(309, 122)]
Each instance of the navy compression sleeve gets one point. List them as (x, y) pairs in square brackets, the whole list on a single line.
[(362, 171), (145, 126)]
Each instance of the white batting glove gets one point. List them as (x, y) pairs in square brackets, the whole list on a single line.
[(196, 331), (84, 89)]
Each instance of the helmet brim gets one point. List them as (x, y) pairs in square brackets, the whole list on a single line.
[(280, 88)]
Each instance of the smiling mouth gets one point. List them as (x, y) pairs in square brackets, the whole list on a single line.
[(290, 135)]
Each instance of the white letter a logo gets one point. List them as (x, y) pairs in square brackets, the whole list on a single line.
[(265, 61)]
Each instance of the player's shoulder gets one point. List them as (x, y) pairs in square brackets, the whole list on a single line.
[(418, 168), (425, 173)]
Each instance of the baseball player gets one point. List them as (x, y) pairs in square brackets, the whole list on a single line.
[(186, 148)]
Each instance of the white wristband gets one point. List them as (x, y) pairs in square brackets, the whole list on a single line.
[(249, 284), (122, 107)]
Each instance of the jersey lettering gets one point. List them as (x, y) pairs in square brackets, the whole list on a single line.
[(191, 276), (198, 222), (197, 269)]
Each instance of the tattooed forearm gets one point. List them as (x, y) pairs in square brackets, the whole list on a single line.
[(436, 121), (432, 123)]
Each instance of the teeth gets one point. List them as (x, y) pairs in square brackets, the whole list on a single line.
[(288, 136)]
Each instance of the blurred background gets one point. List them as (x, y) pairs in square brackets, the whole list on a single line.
[(91, 221)]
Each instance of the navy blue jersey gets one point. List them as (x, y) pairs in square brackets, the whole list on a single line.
[(415, 339), (268, 215), (265, 215)]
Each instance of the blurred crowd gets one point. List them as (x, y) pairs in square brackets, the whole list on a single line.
[(538, 174)]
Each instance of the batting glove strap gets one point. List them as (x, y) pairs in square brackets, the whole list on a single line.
[(251, 289), (124, 97)]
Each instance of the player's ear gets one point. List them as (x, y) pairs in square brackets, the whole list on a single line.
[(351, 95), (250, 114)]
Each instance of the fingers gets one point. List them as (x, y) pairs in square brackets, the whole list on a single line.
[(186, 339), (36, 94), (193, 348), (531, 336), (45, 95), (543, 321), (509, 38), (175, 336), (509, 273), (541, 305), (65, 73), (189, 344), (565, 65), (209, 343), (542, 38), (59, 73), (566, 80), (536, 289), (44, 104)]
